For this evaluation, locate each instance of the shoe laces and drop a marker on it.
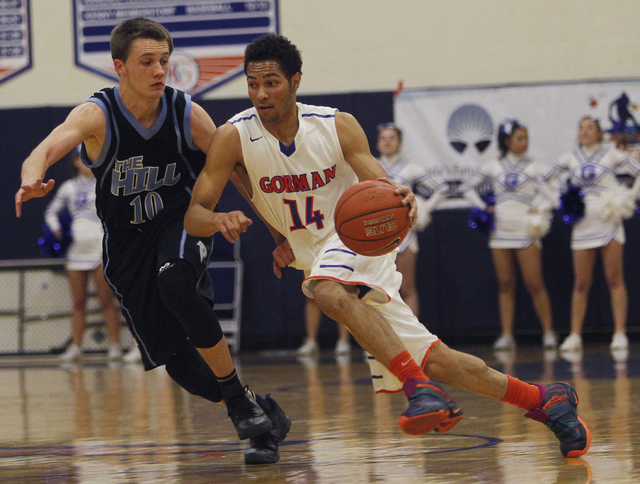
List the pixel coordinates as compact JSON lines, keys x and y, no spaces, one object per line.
{"x":414,"y":388}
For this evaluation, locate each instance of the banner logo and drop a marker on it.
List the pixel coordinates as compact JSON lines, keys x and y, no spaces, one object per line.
{"x":470,"y":125}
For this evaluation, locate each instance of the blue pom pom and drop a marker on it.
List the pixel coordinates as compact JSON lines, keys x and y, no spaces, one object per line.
{"x":481,"y":220}
{"x":572,"y":204}
{"x":489,"y":198}
{"x":53,"y":247}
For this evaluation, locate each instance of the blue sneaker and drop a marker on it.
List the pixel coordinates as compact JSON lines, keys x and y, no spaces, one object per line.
{"x":430,"y":408}
{"x":559,"y":411}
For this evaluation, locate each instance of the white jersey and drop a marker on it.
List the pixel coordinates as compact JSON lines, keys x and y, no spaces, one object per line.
{"x":78,"y":196}
{"x":296,"y":188}
{"x":595,"y":172}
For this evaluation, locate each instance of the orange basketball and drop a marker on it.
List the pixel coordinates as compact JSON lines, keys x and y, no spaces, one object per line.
{"x":371,"y":219}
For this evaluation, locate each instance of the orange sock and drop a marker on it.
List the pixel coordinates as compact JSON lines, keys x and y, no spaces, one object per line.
{"x":404,"y":366}
{"x":521,"y":394}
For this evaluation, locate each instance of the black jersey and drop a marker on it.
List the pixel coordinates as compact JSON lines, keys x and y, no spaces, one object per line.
{"x":141,"y":172}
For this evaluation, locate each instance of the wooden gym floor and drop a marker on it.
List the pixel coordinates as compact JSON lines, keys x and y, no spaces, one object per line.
{"x":111,"y":423}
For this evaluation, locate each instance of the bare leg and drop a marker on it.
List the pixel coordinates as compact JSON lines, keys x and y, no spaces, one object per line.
{"x":614,"y":274}
{"x":505,"y":265}
{"x":313,"y":317}
{"x":109,"y":311}
{"x":530,"y":260}
{"x":371,"y":330}
{"x":343,"y":333}
{"x":78,"y":285}
{"x":583,"y":262}
{"x":406,"y":264}
{"x":466,"y":372}
{"x":218,"y":358}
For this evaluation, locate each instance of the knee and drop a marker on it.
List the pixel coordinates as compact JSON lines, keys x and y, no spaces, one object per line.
{"x":507,"y":284}
{"x":614,"y":280}
{"x":535,"y":288}
{"x":176,"y":277}
{"x":333,"y":298}
{"x":80,"y":303}
{"x":582,"y":286}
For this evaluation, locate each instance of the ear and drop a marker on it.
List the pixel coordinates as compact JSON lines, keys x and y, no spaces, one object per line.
{"x":295,"y":81}
{"x":119,"y":67}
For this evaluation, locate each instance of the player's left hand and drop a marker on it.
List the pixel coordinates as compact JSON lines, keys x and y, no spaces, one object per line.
{"x":282,"y":256}
{"x":409,"y":198}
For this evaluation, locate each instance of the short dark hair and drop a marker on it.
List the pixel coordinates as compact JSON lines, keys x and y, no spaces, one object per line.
{"x":274,"y":48}
{"x":123,"y":35}
{"x":505,"y":131}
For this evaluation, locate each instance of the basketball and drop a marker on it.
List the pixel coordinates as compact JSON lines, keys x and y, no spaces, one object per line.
{"x":371,"y":219}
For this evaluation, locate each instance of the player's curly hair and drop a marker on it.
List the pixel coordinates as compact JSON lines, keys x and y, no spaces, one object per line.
{"x":123,"y":35}
{"x":505,"y":131}
{"x":272,"y":47}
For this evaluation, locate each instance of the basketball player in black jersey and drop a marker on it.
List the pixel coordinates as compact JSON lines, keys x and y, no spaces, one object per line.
{"x":146,"y":145}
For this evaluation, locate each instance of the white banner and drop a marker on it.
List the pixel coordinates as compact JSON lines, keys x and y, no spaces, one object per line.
{"x":209,"y":36}
{"x":15,"y":38}
{"x":453,"y":131}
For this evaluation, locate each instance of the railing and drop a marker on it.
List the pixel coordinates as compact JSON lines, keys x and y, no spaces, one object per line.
{"x":35,"y":309}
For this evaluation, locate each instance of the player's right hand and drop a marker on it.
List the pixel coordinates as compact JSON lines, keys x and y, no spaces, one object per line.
{"x":31,"y":190}
{"x":232,"y":224}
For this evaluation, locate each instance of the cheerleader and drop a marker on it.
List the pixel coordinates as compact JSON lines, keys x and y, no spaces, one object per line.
{"x":429,"y":190}
{"x":593,"y":166}
{"x":522,"y":212}
{"x":84,"y":257}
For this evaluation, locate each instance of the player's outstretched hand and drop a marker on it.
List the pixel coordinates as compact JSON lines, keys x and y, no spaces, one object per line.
{"x":31,"y":190}
{"x":282,"y":256}
{"x":232,"y":224}
{"x":409,"y":198}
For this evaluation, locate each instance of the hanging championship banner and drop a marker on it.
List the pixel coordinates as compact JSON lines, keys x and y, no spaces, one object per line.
{"x":209,"y":36}
{"x":15,"y":38}
{"x":453,"y":131}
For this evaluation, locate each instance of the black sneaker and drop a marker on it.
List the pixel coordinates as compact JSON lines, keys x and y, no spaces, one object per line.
{"x":246,"y":415}
{"x":264,"y":447}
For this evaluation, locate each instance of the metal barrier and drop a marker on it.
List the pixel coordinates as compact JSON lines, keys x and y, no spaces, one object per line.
{"x":35,"y":310}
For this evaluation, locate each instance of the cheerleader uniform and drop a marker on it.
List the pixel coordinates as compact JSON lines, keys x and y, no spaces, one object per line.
{"x":78,"y":196}
{"x":518,"y":186}
{"x":594,"y":171}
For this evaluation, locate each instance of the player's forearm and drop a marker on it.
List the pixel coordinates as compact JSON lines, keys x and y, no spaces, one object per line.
{"x":200,"y":221}
{"x":34,"y":167}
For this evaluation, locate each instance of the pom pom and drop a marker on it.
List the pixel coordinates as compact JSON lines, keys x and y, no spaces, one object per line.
{"x":572,"y":204}
{"x":481,"y":220}
{"x":537,"y":224}
{"x":614,"y":204}
{"x":50,"y":245}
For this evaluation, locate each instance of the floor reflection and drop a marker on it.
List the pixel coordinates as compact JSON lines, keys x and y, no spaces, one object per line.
{"x":103,"y":423}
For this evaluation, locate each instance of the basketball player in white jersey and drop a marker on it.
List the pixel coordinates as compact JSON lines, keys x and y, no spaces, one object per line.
{"x":294,"y":161}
